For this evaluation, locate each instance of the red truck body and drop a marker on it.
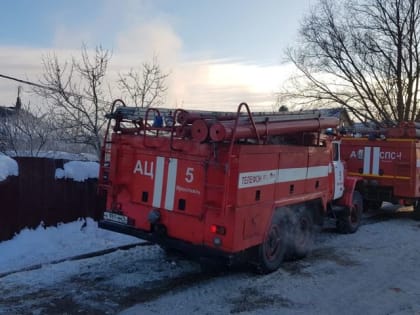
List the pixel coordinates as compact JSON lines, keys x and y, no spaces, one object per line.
{"x":388,"y":161}
{"x":220,"y":196}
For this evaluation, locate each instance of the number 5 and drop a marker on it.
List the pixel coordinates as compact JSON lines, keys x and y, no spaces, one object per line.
{"x":189,"y":175}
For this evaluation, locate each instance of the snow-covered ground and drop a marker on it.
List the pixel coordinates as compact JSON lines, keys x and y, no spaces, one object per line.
{"x":375,"y":271}
{"x":43,"y":244}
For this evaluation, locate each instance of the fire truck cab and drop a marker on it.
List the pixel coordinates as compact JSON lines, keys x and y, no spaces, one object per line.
{"x":247,"y":186}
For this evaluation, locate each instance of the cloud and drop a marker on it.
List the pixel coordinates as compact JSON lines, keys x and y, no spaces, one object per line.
{"x":152,"y":38}
{"x":194,"y":82}
{"x":199,"y":83}
{"x":221,"y":84}
{"x":21,"y":62}
{"x":216,"y":84}
{"x":71,"y":38}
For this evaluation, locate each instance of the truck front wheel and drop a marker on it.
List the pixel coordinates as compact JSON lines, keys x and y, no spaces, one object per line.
{"x":350,"y":222}
{"x":271,"y":252}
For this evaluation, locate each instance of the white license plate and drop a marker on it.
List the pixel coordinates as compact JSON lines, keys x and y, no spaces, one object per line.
{"x":115,"y":217}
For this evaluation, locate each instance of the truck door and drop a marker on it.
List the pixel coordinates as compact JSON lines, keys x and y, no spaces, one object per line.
{"x":338,"y":170}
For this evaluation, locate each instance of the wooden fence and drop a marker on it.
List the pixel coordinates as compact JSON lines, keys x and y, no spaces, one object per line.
{"x":35,"y":196}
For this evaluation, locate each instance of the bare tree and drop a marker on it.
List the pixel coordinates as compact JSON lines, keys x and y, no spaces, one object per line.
{"x":25,"y":130}
{"x":361,"y":54}
{"x":145,"y":86}
{"x":74,"y":91}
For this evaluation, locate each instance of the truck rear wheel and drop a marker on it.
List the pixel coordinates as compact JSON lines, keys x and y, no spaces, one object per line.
{"x":349,"y":223}
{"x":271,"y":252}
{"x":416,"y":211}
{"x":304,"y":234}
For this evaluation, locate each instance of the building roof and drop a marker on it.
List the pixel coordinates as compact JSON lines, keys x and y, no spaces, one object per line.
{"x":7,"y":111}
{"x":332,"y":112}
{"x":338,"y":112}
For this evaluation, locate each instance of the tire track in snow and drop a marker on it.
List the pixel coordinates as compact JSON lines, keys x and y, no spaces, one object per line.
{"x":76,"y":257}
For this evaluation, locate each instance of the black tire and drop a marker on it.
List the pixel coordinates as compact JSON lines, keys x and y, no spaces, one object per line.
{"x":371,"y":205}
{"x":350,"y":222}
{"x":416,"y":211}
{"x":304,"y":234}
{"x":271,"y":252}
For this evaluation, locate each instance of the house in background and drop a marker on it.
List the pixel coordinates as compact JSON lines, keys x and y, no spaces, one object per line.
{"x":340,"y":113}
{"x":8,"y":114}
{"x":7,"y":111}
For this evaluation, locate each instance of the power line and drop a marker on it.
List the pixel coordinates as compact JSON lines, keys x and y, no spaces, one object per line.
{"x":27,"y":82}
{"x":51,"y":88}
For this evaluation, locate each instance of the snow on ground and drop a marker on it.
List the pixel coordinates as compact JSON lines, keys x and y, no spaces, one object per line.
{"x":45,"y":244}
{"x":103,"y":284}
{"x":8,"y":167}
{"x":374,"y":271}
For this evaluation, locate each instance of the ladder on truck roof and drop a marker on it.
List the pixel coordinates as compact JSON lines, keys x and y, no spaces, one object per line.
{"x":133,"y":114}
{"x":214,"y":126}
{"x":407,"y":130}
{"x":190,"y":119}
{"x":105,"y":158}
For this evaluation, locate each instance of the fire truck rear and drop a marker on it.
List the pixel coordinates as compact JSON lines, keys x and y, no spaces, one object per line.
{"x":247,"y":186}
{"x":388,"y":160}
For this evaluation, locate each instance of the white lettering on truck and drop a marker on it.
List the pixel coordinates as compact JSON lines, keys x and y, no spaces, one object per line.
{"x":144,"y":168}
{"x":391,"y":155}
{"x":383,"y":155}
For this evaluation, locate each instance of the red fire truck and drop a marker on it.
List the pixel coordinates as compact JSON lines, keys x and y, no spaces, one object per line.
{"x":388,"y":160}
{"x":248,"y":186}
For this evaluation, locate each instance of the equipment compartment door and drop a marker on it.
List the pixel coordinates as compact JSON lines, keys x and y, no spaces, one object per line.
{"x":184,"y":189}
{"x":168,"y":183}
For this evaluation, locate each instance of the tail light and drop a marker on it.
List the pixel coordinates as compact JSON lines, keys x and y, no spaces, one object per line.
{"x":217,"y":229}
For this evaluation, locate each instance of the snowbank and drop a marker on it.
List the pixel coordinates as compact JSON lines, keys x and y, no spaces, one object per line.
{"x":41,"y":245}
{"x":57,"y":155}
{"x":78,"y":171}
{"x":8,"y":167}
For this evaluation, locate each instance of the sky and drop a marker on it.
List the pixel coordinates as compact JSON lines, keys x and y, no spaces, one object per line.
{"x":218,"y":53}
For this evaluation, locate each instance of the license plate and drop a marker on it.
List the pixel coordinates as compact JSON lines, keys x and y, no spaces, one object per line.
{"x":115,"y":217}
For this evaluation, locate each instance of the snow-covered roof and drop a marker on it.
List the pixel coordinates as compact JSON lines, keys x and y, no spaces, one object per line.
{"x":57,"y":155}
{"x":7,"y":111}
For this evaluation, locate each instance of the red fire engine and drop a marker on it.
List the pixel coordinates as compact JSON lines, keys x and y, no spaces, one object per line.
{"x":388,"y":160}
{"x":225,"y":185}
